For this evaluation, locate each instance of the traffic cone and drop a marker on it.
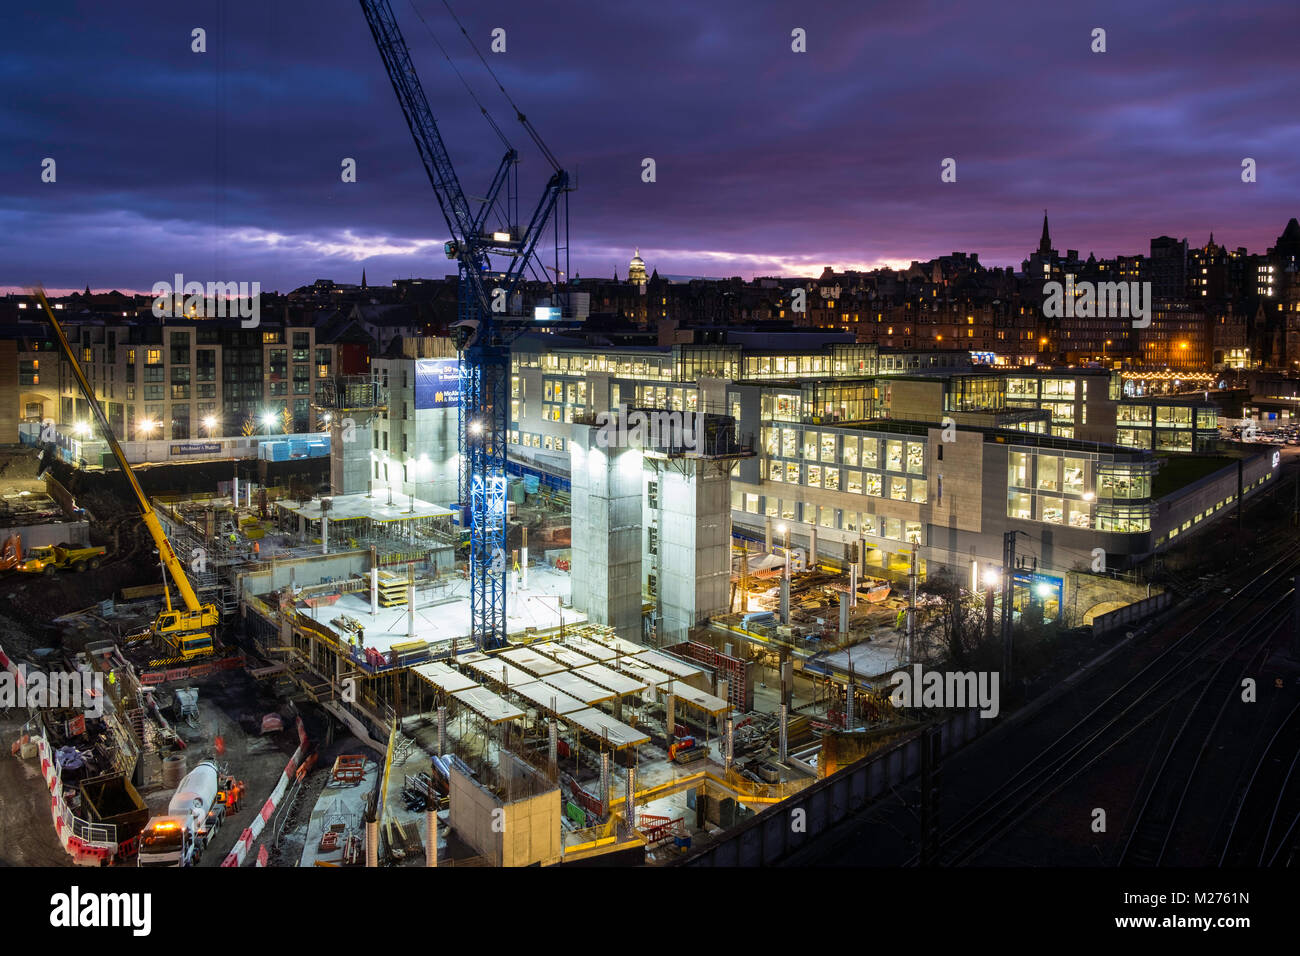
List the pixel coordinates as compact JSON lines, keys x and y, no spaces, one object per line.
{"x":220,"y":745}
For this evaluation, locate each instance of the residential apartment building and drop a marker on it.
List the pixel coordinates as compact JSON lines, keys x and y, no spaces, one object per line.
{"x":187,"y":379}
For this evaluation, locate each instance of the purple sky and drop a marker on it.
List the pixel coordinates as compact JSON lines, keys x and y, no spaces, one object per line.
{"x":225,"y":165}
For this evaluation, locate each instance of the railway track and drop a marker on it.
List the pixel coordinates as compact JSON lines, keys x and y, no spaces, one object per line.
{"x":1149,"y":836}
{"x":1265,"y":829}
{"x":1190,"y":662}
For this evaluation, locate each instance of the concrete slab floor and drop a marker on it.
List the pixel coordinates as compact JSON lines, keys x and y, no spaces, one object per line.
{"x":442,"y":611}
{"x":869,"y":658}
{"x":338,"y":804}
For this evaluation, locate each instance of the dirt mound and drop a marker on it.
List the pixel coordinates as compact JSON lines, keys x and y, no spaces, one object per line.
{"x":19,"y":464}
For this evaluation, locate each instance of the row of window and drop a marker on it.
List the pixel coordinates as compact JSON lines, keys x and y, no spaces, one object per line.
{"x":1198,"y":518}
{"x":637,"y":367}
{"x":850,"y":480}
{"x":1170,"y":416}
{"x":832,"y":448}
{"x":1045,"y":388}
{"x":826,"y":516}
{"x":534,"y":440}
{"x":1165,"y":439}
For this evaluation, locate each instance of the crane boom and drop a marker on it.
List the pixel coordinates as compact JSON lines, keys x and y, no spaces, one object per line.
{"x":165,"y":551}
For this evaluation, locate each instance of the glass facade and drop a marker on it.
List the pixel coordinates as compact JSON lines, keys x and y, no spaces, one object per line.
{"x":1079,"y":489}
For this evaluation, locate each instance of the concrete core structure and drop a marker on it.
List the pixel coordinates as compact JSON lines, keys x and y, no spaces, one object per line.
{"x":607,"y":490}
{"x":693,"y":525}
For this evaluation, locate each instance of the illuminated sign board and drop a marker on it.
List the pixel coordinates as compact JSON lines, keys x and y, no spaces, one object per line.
{"x":197,"y":448}
{"x":546,"y":313}
{"x":437,"y":383}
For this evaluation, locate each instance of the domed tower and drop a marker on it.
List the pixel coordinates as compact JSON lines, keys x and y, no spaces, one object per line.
{"x":636,"y":269}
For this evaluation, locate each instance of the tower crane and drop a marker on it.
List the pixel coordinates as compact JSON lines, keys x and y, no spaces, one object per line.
{"x":186,"y":629}
{"x":484,"y":329}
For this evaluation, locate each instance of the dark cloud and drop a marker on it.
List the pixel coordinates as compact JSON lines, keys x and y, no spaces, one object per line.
{"x":225,"y":165}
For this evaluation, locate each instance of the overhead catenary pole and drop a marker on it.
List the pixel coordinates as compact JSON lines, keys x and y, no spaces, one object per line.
{"x":1008,"y":592}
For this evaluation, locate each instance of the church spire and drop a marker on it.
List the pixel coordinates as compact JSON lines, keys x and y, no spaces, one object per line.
{"x":1045,"y":243}
{"x":363,"y":278}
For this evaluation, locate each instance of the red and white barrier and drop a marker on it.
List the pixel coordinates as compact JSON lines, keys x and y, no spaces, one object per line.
{"x":252,"y":832}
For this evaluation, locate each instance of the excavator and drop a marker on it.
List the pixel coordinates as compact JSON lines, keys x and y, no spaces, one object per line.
{"x":186,"y":629}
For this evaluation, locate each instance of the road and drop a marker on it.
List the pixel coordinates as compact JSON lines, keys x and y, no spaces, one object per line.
{"x":26,"y":827}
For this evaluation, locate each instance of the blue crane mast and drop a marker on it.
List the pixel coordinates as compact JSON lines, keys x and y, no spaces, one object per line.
{"x":484,"y":328}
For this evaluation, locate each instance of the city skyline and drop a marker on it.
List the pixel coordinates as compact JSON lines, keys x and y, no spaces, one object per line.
{"x":260,"y":121}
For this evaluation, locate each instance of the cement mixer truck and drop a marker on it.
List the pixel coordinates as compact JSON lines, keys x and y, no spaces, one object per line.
{"x":193,"y":817}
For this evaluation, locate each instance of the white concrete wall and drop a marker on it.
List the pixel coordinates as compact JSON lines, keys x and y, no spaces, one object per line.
{"x":524,"y":832}
{"x":607,"y":535}
{"x":694,"y":543}
{"x":350,"y":467}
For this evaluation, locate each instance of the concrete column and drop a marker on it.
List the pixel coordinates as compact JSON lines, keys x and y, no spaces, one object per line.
{"x":234,"y":497}
{"x":302,"y":528}
{"x":671,"y":716}
{"x":723,"y":686}
{"x":442,"y":731}
{"x":853,"y":585}
{"x":523,"y":560}
{"x":618,"y":708}
{"x":785,"y":600}
{"x":782,"y":740}
{"x":431,"y":846}
{"x":844,"y":615}
{"x":629,"y":804}
{"x":553,"y":746}
{"x":604,"y":780}
{"x":728,"y":743}
{"x":324,"y":534}
{"x":811,"y":561}
{"x":767,"y":535}
{"x":372,"y":843}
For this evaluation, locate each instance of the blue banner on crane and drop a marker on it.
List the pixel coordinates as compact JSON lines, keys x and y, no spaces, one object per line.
{"x":437,"y":383}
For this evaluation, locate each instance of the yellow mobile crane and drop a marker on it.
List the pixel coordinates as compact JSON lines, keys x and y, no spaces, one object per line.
{"x":187,"y":630}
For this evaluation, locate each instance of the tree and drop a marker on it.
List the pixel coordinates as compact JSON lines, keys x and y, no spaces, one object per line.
{"x":248,"y":427}
{"x":286,"y":420}
{"x":954,"y":625}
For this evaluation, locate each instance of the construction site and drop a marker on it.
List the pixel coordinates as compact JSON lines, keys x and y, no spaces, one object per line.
{"x":545,"y":669}
{"x":345,"y":620}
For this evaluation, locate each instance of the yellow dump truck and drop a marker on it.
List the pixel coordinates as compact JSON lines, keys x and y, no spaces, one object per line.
{"x":52,"y":557}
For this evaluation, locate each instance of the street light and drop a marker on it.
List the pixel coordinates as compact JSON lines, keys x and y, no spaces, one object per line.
{"x":268,"y":420}
{"x":146,"y":425}
{"x":991,"y":580}
{"x":209,"y":422}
